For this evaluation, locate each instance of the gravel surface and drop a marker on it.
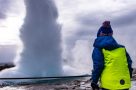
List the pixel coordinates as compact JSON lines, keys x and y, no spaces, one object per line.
{"x":72,"y":84}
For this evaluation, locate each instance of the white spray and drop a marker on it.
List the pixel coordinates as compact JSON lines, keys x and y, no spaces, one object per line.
{"x":41,"y":38}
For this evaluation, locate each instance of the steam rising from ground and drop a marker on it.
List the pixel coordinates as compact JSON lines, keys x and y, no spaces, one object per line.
{"x":41,"y":38}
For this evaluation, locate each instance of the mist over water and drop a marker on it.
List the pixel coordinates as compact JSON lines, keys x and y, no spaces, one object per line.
{"x":41,"y":39}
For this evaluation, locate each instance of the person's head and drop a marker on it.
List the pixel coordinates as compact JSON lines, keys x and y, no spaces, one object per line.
{"x":106,"y":24}
{"x":105,"y":29}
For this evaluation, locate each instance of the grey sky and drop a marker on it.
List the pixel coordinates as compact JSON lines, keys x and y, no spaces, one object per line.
{"x":82,"y":18}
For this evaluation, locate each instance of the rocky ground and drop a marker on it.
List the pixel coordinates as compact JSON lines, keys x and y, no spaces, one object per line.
{"x":80,"y":84}
{"x":60,"y":84}
{"x":73,"y":84}
{"x":134,"y":74}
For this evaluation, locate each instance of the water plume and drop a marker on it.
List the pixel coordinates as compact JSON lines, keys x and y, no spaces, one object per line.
{"x":41,"y":38}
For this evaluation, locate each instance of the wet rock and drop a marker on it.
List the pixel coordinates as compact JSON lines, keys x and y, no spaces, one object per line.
{"x":61,"y":87}
{"x":134,"y":70}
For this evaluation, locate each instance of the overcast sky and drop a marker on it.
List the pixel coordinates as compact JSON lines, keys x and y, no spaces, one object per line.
{"x":80,"y":20}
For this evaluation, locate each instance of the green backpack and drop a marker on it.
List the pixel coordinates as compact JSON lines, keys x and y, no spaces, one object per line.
{"x":116,"y":73}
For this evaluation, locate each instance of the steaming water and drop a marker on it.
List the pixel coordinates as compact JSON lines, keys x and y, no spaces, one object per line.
{"x":41,"y":38}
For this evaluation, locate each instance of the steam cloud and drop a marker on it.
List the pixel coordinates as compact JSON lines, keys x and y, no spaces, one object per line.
{"x":41,"y":38}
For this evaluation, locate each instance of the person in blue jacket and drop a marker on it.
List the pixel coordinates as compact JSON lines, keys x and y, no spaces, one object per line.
{"x":104,"y":40}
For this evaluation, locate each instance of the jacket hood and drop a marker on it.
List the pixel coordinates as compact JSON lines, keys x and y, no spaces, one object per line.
{"x":106,"y":42}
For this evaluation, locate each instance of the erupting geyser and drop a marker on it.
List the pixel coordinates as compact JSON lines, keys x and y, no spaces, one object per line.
{"x":41,"y":38}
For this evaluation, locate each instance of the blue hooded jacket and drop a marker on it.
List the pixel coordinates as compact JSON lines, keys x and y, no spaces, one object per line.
{"x":108,"y":43}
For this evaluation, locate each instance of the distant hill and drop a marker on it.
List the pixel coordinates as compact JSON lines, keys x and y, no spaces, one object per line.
{"x":6,"y":65}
